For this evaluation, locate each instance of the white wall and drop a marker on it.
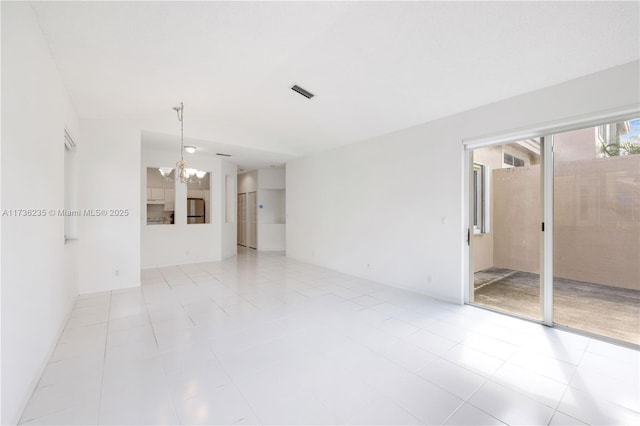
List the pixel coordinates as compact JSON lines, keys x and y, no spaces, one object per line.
{"x":271,"y":209}
{"x":109,"y":178}
{"x":273,"y":206}
{"x":270,"y":232}
{"x":182,"y":243}
{"x":1,"y":207}
{"x":229,"y":227}
{"x":248,"y":182}
{"x":272,"y":178}
{"x":391,"y":208}
{"x":39,"y":279}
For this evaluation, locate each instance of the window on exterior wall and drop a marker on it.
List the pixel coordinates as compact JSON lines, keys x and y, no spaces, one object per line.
{"x":603,"y":133}
{"x":70,"y":189}
{"x":512,"y":160}
{"x":480,"y":198}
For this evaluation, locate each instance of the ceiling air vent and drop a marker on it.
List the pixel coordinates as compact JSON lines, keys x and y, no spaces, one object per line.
{"x":303,"y":92}
{"x":223,"y":155}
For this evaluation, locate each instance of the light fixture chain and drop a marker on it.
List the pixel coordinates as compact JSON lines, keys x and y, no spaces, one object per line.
{"x":181,"y":118}
{"x":183,"y":174}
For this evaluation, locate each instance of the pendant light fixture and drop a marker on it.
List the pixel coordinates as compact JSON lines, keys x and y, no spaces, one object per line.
{"x":184,"y":174}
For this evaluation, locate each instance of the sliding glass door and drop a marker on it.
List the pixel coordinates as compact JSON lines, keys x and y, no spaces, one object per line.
{"x":506,"y":217}
{"x":596,"y":283}
{"x":555,"y":229}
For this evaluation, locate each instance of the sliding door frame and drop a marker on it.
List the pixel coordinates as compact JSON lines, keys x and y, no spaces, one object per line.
{"x":545,"y":132}
{"x":546,"y":248}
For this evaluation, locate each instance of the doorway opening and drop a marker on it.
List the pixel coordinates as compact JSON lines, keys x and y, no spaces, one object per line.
{"x":506,"y":227}
{"x":247,"y":219}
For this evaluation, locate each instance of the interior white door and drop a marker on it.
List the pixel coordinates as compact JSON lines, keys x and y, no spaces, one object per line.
{"x":242,"y":219}
{"x":252,"y":220}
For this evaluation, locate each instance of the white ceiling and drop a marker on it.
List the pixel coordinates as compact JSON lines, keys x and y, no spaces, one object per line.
{"x":374,"y":67}
{"x":247,"y":159}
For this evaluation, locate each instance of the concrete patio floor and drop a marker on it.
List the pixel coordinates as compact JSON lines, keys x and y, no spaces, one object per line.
{"x":604,"y":310}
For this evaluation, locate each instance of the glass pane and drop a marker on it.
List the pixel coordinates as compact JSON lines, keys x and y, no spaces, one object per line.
{"x":475,"y":199}
{"x":198,"y":198}
{"x":506,"y":255}
{"x":597,"y":230}
{"x":160,"y":195}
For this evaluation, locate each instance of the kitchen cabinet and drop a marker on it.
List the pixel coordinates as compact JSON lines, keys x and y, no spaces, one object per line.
{"x":160,"y":198}
{"x":194,"y":193}
{"x":169,"y":200}
{"x":155,"y":195}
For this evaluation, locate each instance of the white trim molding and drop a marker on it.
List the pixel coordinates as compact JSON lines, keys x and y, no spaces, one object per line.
{"x":554,"y":127}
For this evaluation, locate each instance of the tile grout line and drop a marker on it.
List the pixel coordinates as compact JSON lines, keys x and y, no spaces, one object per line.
{"x":64,"y":327}
{"x":208,"y":296}
{"x":556,"y":410}
{"x":235,"y":385}
{"x":104,"y":358}
{"x":269,"y":275}
{"x":146,"y":308}
{"x":487,"y":379}
{"x":414,"y":373}
{"x":568,"y":386}
{"x":155,"y":338}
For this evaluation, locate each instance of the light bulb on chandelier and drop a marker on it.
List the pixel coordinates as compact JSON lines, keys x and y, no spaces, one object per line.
{"x":184,"y":174}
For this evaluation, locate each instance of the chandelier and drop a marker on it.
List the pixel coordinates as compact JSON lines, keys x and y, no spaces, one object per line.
{"x":184,"y":174}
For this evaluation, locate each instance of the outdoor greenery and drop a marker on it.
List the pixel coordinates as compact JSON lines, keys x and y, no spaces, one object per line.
{"x":616,"y":148}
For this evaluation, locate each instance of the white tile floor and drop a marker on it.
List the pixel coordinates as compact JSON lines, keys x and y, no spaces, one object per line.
{"x":262,"y":339}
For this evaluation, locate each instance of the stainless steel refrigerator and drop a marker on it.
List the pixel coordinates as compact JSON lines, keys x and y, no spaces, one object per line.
{"x":195,"y":210}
